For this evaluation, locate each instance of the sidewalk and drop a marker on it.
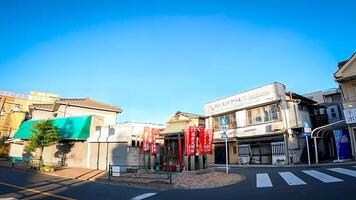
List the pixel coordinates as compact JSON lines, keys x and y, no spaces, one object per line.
{"x":186,"y":180}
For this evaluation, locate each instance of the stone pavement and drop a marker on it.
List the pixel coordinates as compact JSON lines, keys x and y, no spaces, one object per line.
{"x":206,"y":180}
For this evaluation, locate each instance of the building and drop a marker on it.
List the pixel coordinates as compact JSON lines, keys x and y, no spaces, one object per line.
{"x":68,"y":107}
{"x":330,"y":101}
{"x":14,"y":108}
{"x":75,"y":117}
{"x":346,"y":77}
{"x":173,"y":137}
{"x":119,"y":144}
{"x":265,"y":126}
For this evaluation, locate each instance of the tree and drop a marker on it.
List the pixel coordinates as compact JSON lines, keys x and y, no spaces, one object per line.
{"x":44,"y":134}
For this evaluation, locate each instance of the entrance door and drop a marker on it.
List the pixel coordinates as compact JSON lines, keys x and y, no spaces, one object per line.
{"x":220,"y":157}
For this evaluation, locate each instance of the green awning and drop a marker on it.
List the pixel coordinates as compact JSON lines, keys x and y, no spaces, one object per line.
{"x":76,"y":128}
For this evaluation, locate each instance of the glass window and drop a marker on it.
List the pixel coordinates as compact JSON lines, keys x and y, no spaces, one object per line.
{"x":333,"y":112}
{"x":231,"y":118}
{"x":262,"y":114}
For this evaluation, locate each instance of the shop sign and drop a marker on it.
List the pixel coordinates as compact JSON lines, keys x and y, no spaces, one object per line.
{"x":350,"y":116}
{"x":254,"y":97}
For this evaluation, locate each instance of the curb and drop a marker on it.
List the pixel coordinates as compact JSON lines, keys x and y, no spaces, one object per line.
{"x":222,"y":166}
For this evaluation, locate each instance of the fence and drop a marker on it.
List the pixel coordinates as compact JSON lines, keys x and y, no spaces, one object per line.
{"x":130,"y":172}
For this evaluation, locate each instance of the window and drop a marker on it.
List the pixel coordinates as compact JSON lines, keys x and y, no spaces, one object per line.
{"x":333,"y":112}
{"x":98,"y":131}
{"x":262,"y":114}
{"x":234,"y":149}
{"x":231,"y":118}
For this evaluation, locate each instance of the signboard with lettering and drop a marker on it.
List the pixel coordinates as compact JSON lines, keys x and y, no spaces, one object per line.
{"x":350,"y":116}
{"x":154,"y":133}
{"x":265,"y":94}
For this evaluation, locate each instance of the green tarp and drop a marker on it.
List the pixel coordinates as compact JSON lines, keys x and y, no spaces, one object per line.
{"x":76,"y":128}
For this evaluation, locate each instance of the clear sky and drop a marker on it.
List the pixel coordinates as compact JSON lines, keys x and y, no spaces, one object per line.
{"x":153,"y":58}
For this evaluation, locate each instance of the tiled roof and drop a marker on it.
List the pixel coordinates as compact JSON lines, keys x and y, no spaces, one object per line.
{"x":89,"y":103}
{"x":49,"y":106}
{"x":80,"y":102}
{"x":191,"y":115}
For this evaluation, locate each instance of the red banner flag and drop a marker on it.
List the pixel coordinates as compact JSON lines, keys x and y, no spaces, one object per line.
{"x":209,"y":137}
{"x":154,"y":132}
{"x":202,"y":141}
{"x":145,"y":142}
{"x":186,"y":143}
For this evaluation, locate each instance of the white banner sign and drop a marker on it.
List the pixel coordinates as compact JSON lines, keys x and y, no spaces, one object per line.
{"x":350,"y":116}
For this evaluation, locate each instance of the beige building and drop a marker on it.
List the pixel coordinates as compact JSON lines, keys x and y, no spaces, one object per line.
{"x":175,"y":132}
{"x":346,"y":77}
{"x":265,"y":126}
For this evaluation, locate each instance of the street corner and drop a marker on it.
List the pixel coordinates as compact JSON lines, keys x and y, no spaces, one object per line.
{"x":211,"y":179}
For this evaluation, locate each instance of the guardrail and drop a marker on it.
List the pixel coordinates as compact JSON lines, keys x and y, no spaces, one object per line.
{"x":138,"y":172}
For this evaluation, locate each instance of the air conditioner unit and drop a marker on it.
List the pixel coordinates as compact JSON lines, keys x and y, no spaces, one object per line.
{"x":273,"y":127}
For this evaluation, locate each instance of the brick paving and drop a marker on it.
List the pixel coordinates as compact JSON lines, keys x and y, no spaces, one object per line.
{"x":206,"y":180}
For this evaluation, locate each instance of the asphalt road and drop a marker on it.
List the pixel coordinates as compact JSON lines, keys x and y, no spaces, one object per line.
{"x":274,"y":183}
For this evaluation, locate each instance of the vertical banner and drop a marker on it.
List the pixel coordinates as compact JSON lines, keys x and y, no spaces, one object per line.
{"x":146,"y":135}
{"x":192,"y":140}
{"x":186,"y":141}
{"x":202,"y":141}
{"x":209,"y":136}
{"x":154,"y":133}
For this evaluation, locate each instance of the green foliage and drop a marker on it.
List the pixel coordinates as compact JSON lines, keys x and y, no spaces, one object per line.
{"x":44,"y":134}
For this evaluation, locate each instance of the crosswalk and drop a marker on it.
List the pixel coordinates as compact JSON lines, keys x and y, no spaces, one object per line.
{"x":263,"y":180}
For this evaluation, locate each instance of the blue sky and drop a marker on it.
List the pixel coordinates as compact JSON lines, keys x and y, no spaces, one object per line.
{"x":153,"y":58}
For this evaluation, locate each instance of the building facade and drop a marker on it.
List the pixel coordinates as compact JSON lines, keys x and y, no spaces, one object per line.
{"x":346,"y":77}
{"x":265,"y":126}
{"x":331,"y":103}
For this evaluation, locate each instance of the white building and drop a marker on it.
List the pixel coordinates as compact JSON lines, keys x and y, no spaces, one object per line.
{"x":118,"y":144}
{"x":265,"y":125}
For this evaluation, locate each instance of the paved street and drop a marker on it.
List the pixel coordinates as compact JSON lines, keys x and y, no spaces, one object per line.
{"x":326,"y":182}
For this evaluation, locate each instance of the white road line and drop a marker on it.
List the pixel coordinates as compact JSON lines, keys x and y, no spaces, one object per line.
{"x":291,"y":179}
{"x":263,"y":180}
{"x":344,"y":171}
{"x":143,"y":196}
{"x":321,"y":176}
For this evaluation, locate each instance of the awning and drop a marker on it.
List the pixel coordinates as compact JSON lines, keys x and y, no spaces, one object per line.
{"x":323,"y":130}
{"x":71,"y":128}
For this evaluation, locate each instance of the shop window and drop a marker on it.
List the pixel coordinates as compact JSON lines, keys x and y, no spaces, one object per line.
{"x":262,"y":114}
{"x":231,"y":117}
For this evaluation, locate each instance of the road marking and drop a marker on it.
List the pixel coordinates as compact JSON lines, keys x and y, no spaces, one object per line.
{"x":263,"y":180}
{"x":322,"y":177}
{"x":344,"y":171}
{"x":9,"y":198}
{"x":143,"y":196}
{"x":291,"y":179}
{"x":36,"y":191}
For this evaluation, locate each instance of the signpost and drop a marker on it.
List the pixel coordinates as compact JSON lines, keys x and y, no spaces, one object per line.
{"x":307,"y":133}
{"x":224,"y":123}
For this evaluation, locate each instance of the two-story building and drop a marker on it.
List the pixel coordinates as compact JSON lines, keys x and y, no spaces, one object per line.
{"x":346,"y":77}
{"x":265,"y":126}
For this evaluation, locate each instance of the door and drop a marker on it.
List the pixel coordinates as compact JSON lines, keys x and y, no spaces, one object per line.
{"x":220,"y":157}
